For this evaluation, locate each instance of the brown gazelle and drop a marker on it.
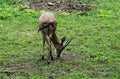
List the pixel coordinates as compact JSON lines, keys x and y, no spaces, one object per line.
{"x":48,"y":26}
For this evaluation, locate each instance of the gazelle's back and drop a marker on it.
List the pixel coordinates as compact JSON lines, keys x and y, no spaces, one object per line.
{"x":47,"y":20}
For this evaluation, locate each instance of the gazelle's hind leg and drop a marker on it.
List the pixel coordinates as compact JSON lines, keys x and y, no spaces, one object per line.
{"x":50,"y":52}
{"x":50,"y":57}
{"x":44,"y":38}
{"x":50,"y":37}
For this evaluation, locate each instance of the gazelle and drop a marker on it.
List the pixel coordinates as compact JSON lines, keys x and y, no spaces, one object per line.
{"x":48,"y":26}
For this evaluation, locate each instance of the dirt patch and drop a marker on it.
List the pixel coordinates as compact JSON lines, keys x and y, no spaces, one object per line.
{"x":66,"y":6}
{"x":71,"y":57}
{"x":16,"y":68}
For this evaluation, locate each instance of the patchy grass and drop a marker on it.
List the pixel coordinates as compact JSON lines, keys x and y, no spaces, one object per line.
{"x":94,"y":52}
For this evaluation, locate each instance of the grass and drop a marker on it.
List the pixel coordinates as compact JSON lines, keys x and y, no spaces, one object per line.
{"x":94,"y":53}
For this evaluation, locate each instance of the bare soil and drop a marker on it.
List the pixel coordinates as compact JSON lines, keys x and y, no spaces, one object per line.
{"x":66,"y":6}
{"x":16,"y":68}
{"x":10,"y":69}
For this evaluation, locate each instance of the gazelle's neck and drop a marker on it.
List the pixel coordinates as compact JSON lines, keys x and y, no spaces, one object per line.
{"x":55,"y":41}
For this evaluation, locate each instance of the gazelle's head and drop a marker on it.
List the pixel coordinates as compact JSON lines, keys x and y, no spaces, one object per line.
{"x":62,"y":46}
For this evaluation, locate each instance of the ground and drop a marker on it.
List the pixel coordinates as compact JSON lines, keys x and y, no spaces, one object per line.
{"x":66,"y":6}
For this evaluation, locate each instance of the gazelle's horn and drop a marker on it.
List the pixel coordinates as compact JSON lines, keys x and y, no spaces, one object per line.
{"x":67,"y":42}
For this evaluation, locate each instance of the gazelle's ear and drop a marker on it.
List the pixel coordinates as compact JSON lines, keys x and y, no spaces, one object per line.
{"x":62,"y":40}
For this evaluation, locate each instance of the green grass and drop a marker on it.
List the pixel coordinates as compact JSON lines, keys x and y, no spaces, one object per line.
{"x":94,"y":52}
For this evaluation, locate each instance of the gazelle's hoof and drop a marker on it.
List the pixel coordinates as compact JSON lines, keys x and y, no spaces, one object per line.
{"x":43,"y":57}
